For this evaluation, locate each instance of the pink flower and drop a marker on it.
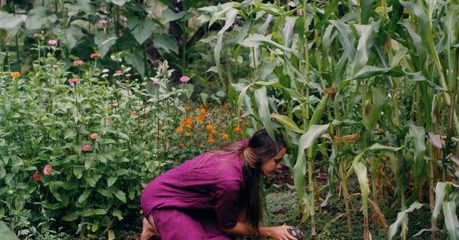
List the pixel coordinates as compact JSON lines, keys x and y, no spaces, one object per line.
{"x":127,"y":75}
{"x":118,"y":73}
{"x":162,"y":68}
{"x":95,"y":55}
{"x":86,"y":148}
{"x":52,"y":42}
{"x":74,"y":81}
{"x":47,"y":170}
{"x":36,"y":177}
{"x":94,"y":136}
{"x":103,"y":21}
{"x":78,"y":62}
{"x":184,"y":79}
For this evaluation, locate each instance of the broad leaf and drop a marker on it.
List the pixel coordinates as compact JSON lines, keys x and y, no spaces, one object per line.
{"x":104,"y":42}
{"x":165,"y":42}
{"x":287,"y":122}
{"x":400,"y":217}
{"x":451,"y":221}
{"x":38,"y":17}
{"x":137,"y":61}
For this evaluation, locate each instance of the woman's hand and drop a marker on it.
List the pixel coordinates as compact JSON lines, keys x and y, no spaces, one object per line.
{"x":277,"y":233}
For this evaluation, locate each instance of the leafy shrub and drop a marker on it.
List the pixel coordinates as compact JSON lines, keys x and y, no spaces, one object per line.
{"x":78,"y":150}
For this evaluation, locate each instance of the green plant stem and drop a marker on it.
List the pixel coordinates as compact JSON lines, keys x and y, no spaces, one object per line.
{"x":346,"y":195}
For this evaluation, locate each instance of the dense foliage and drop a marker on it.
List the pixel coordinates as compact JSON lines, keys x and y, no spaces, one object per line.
{"x":364,"y":91}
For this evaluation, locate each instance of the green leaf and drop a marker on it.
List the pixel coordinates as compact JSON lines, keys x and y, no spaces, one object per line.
{"x":346,"y":38}
{"x":261,"y":98}
{"x":289,"y":25}
{"x":168,"y":16}
{"x":256,"y":40}
{"x":9,"y":21}
{"x":307,"y":140}
{"x":361,"y":171}
{"x":121,"y":196}
{"x":84,"y":196}
{"x":71,"y":216}
{"x":230,"y":18}
{"x":366,"y":10}
{"x":440,"y":193}
{"x":165,"y":42}
{"x":451,"y":221}
{"x":6,"y":233}
{"x":137,"y":61}
{"x":372,"y":71}
{"x":418,"y":135}
{"x":111,"y":181}
{"x":38,"y":17}
{"x":143,"y":30}
{"x":71,"y":36}
{"x":117,"y":213}
{"x":119,"y":2}
{"x":366,"y":41}
{"x":104,"y":42}
{"x":400,"y":217}
{"x":287,"y":122}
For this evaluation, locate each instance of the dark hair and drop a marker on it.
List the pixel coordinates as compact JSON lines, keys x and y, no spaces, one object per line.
{"x":261,"y":148}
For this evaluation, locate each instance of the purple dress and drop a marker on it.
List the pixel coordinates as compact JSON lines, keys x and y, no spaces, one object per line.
{"x":198,"y":198}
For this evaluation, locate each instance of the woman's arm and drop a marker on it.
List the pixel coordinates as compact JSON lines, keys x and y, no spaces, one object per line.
{"x":277,"y":232}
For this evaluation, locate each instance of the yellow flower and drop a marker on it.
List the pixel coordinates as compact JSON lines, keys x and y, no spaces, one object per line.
{"x":213,"y":132}
{"x":179,"y":130}
{"x":225,"y":136}
{"x":209,"y":127}
{"x":16,"y":74}
{"x":187,"y":133}
{"x":210,"y":139}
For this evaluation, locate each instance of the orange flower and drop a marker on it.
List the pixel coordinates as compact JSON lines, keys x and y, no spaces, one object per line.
{"x":187,"y":122}
{"x":201,"y":117}
{"x":210,"y":139}
{"x":213,"y":132}
{"x":225,"y":136}
{"x":179,"y":130}
{"x":209,"y":127}
{"x":237,"y":129}
{"x":15,"y":74}
{"x":202,"y":110}
{"x":187,"y":133}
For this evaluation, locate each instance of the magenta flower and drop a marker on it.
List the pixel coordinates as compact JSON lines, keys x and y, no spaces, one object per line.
{"x":103,"y":21}
{"x":74,"y":81}
{"x":52,"y":42}
{"x":47,"y":170}
{"x":94,"y":136}
{"x":184,"y":79}
{"x":127,"y":75}
{"x":86,"y":148}
{"x":78,"y":62}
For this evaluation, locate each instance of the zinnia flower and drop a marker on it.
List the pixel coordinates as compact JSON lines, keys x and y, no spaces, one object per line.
{"x":52,"y":42}
{"x":78,"y":62}
{"x":94,"y":136}
{"x":47,"y":170}
{"x":209,"y":127}
{"x":210,"y":139}
{"x":38,"y":35}
{"x":179,"y":130}
{"x":184,"y":79}
{"x":127,"y":75}
{"x":225,"y":136}
{"x":95,"y":55}
{"x":36,"y":177}
{"x":74,"y":81}
{"x":103,"y":21}
{"x":86,"y":148}
{"x":15,"y":74}
{"x":162,"y":68}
